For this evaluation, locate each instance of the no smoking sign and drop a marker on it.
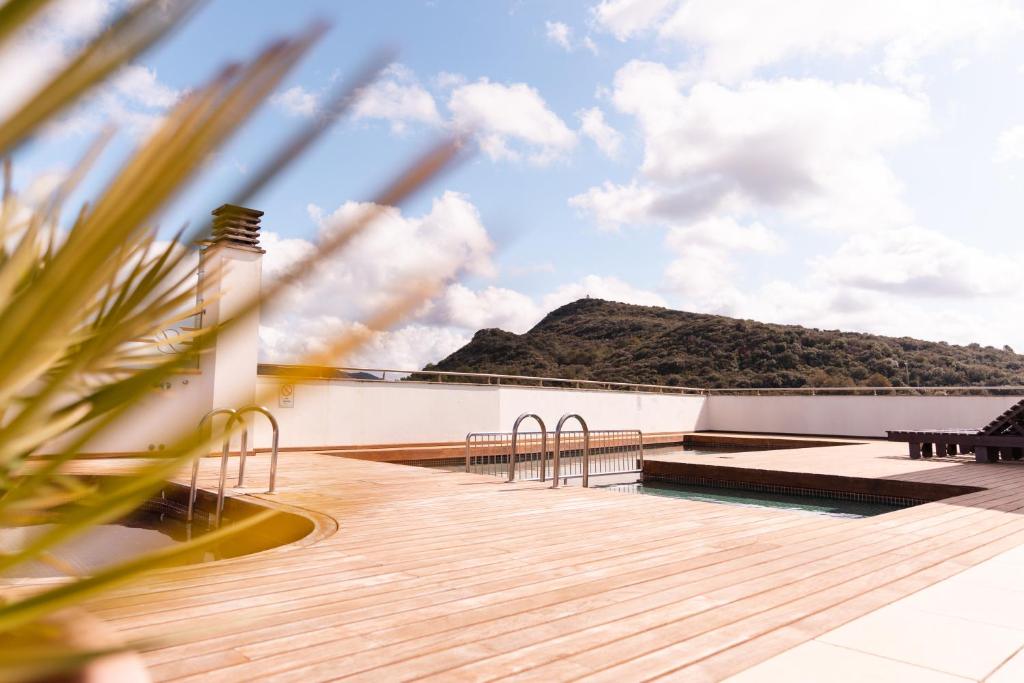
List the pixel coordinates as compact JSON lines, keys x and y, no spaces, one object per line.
{"x":286,"y":396}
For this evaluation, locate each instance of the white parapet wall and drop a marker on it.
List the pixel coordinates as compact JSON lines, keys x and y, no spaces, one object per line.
{"x":868,"y":416}
{"x":324,"y":413}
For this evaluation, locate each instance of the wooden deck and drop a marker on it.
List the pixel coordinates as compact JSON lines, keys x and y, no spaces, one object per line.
{"x":450,"y":576}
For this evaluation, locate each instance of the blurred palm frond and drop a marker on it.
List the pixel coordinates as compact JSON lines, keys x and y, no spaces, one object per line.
{"x":83,"y":302}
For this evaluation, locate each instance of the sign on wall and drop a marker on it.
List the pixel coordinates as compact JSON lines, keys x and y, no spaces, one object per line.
{"x":286,"y":396}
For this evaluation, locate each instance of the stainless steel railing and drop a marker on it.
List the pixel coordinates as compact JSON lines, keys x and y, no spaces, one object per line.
{"x":275,"y":439}
{"x":556,"y":461}
{"x":221,"y":481}
{"x":300,"y":373}
{"x":542,"y":469}
{"x":233,"y":416}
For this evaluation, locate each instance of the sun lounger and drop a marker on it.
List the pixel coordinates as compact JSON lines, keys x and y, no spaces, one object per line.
{"x":1003,"y":436}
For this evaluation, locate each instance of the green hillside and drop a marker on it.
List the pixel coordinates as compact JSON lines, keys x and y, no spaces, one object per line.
{"x":609,"y":341}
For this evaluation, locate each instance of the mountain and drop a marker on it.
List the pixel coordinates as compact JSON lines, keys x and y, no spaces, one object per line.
{"x":616,"y":342}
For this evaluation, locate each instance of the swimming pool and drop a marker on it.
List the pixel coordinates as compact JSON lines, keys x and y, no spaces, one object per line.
{"x":630,"y":483}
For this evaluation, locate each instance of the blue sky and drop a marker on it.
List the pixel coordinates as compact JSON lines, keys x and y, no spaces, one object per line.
{"x":838,"y":165}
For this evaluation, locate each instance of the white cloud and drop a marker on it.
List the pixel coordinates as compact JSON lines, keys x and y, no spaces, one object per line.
{"x":593,"y":125}
{"x":627,"y":18}
{"x":559,"y":34}
{"x":735,"y":38}
{"x":297,"y":101}
{"x":378,"y":266}
{"x":724,"y":233}
{"x":814,"y":150}
{"x":903,"y":282}
{"x":1010,"y":145}
{"x":398,"y":98}
{"x":703,"y":273}
{"x":613,"y":206}
{"x":490,"y":307}
{"x":599,"y":287}
{"x":524,"y":269}
{"x":703,"y":279}
{"x":48,"y":43}
{"x":396,"y":250}
{"x":446,"y":80}
{"x":916,"y":262}
{"x":133,"y":99}
{"x":510,"y":121}
{"x":140,"y":84}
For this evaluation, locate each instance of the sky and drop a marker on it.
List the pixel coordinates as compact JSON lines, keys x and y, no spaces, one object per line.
{"x":853,"y":166}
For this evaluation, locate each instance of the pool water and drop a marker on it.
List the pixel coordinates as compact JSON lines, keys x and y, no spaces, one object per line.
{"x":159,"y":523}
{"x":630,"y":483}
{"x":829,"y":507}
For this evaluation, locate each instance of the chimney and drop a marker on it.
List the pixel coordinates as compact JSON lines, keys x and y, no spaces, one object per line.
{"x":233,"y":259}
{"x":237,"y":226}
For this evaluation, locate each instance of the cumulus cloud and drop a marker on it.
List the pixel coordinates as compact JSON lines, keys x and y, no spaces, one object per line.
{"x":917,"y":262}
{"x":50,"y":41}
{"x":297,"y":101}
{"x":593,"y":125}
{"x":814,"y":150}
{"x":601,"y":287}
{"x":510,"y":121}
{"x":1010,"y":145}
{"x":735,"y":38}
{"x":142,"y":85}
{"x":489,"y":307}
{"x":723,"y":232}
{"x":398,"y":249}
{"x":399,"y":99}
{"x":628,"y":18}
{"x":612,"y":205}
{"x":702,"y":274}
{"x":376,"y":268}
{"x":134,"y":99}
{"x":559,"y":34}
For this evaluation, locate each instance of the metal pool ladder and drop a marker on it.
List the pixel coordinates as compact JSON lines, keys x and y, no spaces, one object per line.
{"x":579,"y":453}
{"x":515,"y":439}
{"x":234,"y":415}
{"x":556,"y":458}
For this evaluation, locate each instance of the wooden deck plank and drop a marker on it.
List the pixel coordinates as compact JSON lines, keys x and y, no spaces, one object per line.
{"x":464,"y":577}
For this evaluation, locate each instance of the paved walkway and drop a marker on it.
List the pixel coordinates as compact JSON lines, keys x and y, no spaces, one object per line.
{"x":967,"y":628}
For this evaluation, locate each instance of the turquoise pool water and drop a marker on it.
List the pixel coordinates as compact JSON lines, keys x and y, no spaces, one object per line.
{"x":629,"y":483}
{"x":812,"y":505}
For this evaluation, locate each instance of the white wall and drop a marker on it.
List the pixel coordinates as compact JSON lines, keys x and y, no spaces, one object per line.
{"x":603,"y":409}
{"x":333,"y":413}
{"x":851,"y":415}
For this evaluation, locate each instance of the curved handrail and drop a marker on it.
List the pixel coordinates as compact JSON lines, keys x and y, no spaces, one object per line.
{"x":193,"y":488}
{"x":543,"y":445}
{"x":555,"y":463}
{"x":276,"y":431}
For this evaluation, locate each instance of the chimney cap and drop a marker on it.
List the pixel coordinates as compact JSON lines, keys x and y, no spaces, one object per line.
{"x":237,"y":226}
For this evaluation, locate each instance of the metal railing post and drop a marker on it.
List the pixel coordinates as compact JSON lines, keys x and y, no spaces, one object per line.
{"x":515,"y":439}
{"x":640,"y":435}
{"x":194,"y":486}
{"x":556,"y":458}
{"x":274,"y":442}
